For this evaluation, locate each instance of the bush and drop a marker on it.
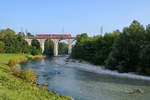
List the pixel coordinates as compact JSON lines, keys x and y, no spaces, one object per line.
{"x":45,"y":84}
{"x":14,"y":67}
{"x":16,"y":70}
{"x":2,"y":47}
{"x":35,"y":51}
{"x":11,"y":64}
{"x":29,"y":76}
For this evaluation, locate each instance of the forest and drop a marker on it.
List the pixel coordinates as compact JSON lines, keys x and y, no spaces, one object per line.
{"x":125,"y":51}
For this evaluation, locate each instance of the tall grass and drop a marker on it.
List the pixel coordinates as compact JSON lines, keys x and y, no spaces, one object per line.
{"x":27,"y":75}
{"x":11,"y":64}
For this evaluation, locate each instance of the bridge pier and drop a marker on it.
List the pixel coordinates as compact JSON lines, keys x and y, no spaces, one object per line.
{"x":70,"y":45}
{"x":55,"y":41}
{"x":42,"y":42}
{"x":29,"y":41}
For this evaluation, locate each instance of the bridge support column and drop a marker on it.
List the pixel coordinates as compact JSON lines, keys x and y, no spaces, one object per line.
{"x":70,"y":45}
{"x":55,"y":41}
{"x":29,"y":41}
{"x":42,"y":42}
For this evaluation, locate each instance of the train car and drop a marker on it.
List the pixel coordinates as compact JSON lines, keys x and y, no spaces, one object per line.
{"x":53,"y":35}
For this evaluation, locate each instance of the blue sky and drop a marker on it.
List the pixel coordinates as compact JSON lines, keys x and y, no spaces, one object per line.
{"x":76,"y":16}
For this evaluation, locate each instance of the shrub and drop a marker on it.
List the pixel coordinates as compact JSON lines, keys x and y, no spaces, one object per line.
{"x":11,"y":64}
{"x":16,"y":70}
{"x":29,"y":76}
{"x":2,"y":47}
{"x":45,"y":84}
{"x":35,"y":51}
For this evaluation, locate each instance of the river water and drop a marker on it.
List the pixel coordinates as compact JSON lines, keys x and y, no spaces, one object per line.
{"x":84,"y":81}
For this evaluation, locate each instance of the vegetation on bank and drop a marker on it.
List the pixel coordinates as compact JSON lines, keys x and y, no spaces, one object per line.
{"x":10,"y":42}
{"x":126,"y":51}
{"x":94,"y":49}
{"x":13,"y":87}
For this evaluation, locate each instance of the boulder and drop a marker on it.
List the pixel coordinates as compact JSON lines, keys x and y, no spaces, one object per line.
{"x":139,"y":90}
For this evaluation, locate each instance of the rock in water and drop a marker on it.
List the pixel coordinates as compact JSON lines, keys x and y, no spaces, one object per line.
{"x":67,"y":59}
{"x":129,"y":91}
{"x":139,"y":90}
{"x":73,"y":61}
{"x":80,"y":61}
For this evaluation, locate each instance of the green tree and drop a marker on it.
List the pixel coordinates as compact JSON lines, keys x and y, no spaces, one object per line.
{"x":29,"y":34}
{"x":62,"y":48}
{"x":11,"y":44}
{"x":23,"y":46}
{"x":21,"y":33}
{"x":14,"y":43}
{"x":94,"y":49}
{"x":125,"y":53}
{"x":76,"y":50}
{"x":104,"y":47}
{"x":35,"y":51}
{"x":144,"y":63}
{"x":2,"y":47}
{"x":49,"y":47}
{"x":36,"y":44}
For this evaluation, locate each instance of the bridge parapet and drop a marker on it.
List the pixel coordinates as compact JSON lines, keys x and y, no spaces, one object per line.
{"x":50,"y":37}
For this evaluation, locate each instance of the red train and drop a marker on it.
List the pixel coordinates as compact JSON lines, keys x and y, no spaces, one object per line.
{"x":45,"y":35}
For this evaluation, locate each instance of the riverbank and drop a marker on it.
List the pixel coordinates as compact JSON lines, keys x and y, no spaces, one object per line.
{"x":14,"y":88}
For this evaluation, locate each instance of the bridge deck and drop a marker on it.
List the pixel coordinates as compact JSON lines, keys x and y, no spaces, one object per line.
{"x":50,"y":37}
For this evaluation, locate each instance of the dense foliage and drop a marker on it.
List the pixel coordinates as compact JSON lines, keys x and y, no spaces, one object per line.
{"x":49,"y":47}
{"x":2,"y":47}
{"x":35,"y":47}
{"x":130,"y":52}
{"x":94,"y":49}
{"x":126,"y":51}
{"x":62,"y":48}
{"x":12,"y":43}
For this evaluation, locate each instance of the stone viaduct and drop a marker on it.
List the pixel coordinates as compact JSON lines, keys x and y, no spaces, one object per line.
{"x":55,"y":40}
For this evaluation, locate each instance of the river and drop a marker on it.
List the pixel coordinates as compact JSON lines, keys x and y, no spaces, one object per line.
{"x":84,"y":81}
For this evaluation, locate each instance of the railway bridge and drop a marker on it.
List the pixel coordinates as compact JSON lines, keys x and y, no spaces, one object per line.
{"x":55,"y":38}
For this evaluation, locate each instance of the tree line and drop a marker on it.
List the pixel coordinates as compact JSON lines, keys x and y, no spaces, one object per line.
{"x":126,"y":51}
{"x":10,"y":42}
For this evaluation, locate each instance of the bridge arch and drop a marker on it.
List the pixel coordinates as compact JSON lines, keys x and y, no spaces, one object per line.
{"x":55,"y":40}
